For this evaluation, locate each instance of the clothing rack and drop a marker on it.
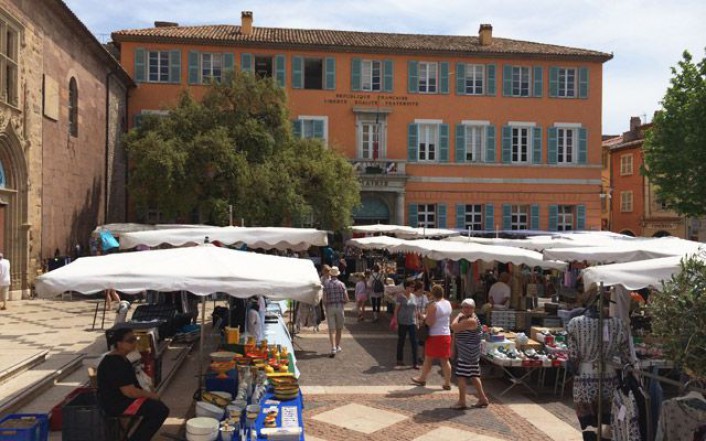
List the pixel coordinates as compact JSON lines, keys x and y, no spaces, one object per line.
{"x":660,"y":378}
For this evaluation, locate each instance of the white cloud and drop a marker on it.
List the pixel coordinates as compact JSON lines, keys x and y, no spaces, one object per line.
{"x":647,"y":37}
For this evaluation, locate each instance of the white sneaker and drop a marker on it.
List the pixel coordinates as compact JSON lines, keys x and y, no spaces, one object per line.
{"x":333,"y":353}
{"x":338,"y":349}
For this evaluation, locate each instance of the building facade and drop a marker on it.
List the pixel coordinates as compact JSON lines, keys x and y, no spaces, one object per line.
{"x":62,"y":106}
{"x":471,"y":132}
{"x":635,"y":208}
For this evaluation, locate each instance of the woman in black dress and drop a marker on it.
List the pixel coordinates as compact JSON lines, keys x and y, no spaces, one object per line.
{"x":466,"y":348}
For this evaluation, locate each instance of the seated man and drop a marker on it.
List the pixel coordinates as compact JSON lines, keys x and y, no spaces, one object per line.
{"x":499,"y":294}
{"x":119,"y":392}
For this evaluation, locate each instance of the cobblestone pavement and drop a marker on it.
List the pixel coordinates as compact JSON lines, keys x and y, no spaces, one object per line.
{"x":365,"y":373}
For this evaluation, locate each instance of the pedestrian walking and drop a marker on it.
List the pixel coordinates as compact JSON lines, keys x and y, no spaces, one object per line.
{"x":405,"y":317}
{"x":335,"y":297}
{"x":466,"y":349}
{"x":361,"y":295}
{"x":377,"y":290}
{"x":438,"y":344}
{"x":4,"y":281}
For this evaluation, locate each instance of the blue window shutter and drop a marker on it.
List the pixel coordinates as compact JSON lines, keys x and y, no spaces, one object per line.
{"x":490,"y":86}
{"x":194,"y":67}
{"x":507,"y":144}
{"x":297,"y":128}
{"x":507,"y":216}
{"x":583,"y":147}
{"x":389,"y":75}
{"x":537,"y":145}
{"x":412,"y":143}
{"x":460,"y":143}
{"x":489,"y":217}
{"x":538,"y":81}
{"x":534,"y":217}
{"x":490,"y":144}
{"x":441,"y":215}
{"x":444,"y":77}
{"x":281,"y":70}
{"x":355,"y":74}
{"x":330,"y":73}
{"x":507,"y":80}
{"x":553,"y":217}
{"x":140,"y":65}
{"x":246,"y":62}
{"x":137,"y":120}
{"x":412,"y":215}
{"x":175,"y":66}
{"x":552,"y":145}
{"x":553,"y":81}
{"x":318,"y":129}
{"x":460,"y":216}
{"x":443,"y":143}
{"x":228,"y":62}
{"x":412,"y":77}
{"x":460,"y":79}
{"x":583,"y":82}
{"x":297,"y":72}
{"x":580,"y":217}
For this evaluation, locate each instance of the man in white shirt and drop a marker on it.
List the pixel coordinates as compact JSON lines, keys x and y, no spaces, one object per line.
{"x":500,"y":292}
{"x":4,"y":281}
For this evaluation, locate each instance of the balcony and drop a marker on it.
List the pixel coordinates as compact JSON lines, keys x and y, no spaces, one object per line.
{"x":379,"y":167}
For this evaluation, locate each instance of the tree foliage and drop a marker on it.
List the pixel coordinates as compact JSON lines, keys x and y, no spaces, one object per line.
{"x":675,"y":147}
{"x":679,"y":316}
{"x":235,"y":147}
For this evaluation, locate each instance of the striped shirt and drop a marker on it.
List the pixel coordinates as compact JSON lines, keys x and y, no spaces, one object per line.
{"x":335,"y":292}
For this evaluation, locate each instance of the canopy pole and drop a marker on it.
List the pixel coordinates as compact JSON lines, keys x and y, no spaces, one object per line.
{"x":601,"y":360}
{"x":203,"y":331}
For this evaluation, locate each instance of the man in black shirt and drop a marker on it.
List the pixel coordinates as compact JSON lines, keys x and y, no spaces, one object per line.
{"x":119,"y":392}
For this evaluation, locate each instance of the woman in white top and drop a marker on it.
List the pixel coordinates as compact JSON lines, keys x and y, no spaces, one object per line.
{"x":438,"y":344}
{"x":361,"y":294}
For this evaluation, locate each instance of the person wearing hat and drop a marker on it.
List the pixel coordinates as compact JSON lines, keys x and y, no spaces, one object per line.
{"x":335,"y":297}
{"x":4,"y":281}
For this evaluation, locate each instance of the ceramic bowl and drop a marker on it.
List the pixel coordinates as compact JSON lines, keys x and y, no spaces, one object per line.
{"x":202,"y":425}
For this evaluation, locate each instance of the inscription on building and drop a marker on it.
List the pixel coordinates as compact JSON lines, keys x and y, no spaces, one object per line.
{"x":362,"y":99}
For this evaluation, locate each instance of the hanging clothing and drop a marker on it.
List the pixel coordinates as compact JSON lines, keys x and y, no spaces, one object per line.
{"x":681,"y":419}
{"x":583,"y":342}
{"x":629,"y":411}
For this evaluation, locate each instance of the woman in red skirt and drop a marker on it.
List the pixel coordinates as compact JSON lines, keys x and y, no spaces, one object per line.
{"x":438,"y":344}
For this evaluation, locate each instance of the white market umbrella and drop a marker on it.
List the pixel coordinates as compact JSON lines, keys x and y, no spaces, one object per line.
{"x":296,"y":239}
{"x":200,"y":270}
{"x":404,"y":232}
{"x":633,"y":275}
{"x":628,"y":251}
{"x":374,"y":242}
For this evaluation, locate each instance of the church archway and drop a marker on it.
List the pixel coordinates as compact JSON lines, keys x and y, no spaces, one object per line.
{"x":373,"y":210}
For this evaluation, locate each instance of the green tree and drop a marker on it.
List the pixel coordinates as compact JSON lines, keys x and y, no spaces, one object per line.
{"x":678,"y":314}
{"x":675,"y":147}
{"x":236,"y":147}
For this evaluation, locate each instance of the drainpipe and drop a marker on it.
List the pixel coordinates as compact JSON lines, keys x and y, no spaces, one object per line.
{"x":107,"y":145}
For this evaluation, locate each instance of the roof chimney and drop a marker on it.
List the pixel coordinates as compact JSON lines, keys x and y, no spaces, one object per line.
{"x":635,"y":122}
{"x":165,"y":24}
{"x":485,"y":34}
{"x":246,"y":22}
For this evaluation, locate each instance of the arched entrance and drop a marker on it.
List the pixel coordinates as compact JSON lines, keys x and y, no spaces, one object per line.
{"x":628,"y":233}
{"x":373,"y":210}
{"x":661,"y":233}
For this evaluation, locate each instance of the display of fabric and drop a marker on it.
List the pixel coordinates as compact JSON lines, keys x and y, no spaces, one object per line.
{"x":681,"y":418}
{"x":630,"y":410}
{"x":583,"y":342}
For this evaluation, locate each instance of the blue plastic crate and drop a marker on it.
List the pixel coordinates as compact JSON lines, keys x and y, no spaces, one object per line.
{"x":38,"y":431}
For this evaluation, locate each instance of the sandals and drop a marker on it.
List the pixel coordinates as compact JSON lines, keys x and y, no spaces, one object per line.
{"x":480,"y":405}
{"x":446,"y":387}
{"x":459,"y":406}
{"x":418,"y":382}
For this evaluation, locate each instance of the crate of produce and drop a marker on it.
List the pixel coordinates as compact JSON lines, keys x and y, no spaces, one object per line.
{"x":25,"y":427}
{"x":82,"y":419}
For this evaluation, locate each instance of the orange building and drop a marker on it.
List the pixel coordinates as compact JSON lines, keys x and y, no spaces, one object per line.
{"x":445,"y":131}
{"x":635,"y":208}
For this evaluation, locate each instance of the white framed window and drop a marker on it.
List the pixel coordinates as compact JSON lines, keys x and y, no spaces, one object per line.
{"x":428,"y":77}
{"x":475,"y":79}
{"x":371,"y":75}
{"x":313,"y":127}
{"x":371,"y":137}
{"x":567,"y":82}
{"x":428,"y":142}
{"x":521,"y":144}
{"x":567,"y":140}
{"x":9,"y":61}
{"x":626,"y":201}
{"x":475,"y":143}
{"x":519,"y":217}
{"x":565,"y":218}
{"x":474,"y":217}
{"x":426,"y":215}
{"x":626,"y":164}
{"x":521,"y":78}
{"x":211,"y":67}
{"x":158,"y":66}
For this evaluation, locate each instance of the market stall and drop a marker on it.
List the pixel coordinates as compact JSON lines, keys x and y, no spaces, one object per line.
{"x":628,"y":251}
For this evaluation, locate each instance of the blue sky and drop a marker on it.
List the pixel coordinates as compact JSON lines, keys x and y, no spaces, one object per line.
{"x":647,"y":37}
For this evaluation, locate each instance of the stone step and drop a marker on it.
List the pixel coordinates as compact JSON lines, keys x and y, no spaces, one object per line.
{"x":10,"y":368}
{"x":32,"y":383}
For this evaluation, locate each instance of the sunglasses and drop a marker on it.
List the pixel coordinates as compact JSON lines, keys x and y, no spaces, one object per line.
{"x":130,"y":340}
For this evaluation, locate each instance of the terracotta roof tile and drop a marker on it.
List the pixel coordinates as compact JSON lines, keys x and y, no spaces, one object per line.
{"x":350,"y":41}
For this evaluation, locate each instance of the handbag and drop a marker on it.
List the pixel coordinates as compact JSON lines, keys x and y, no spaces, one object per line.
{"x":423,"y":332}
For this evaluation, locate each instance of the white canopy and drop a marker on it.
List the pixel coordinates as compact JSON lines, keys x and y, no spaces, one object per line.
{"x":375,"y":242}
{"x":540,"y":243}
{"x":629,"y":251}
{"x":122,"y":228}
{"x":297,"y":239}
{"x":439,"y":249}
{"x":404,"y":231}
{"x":201,"y":270}
{"x":633,"y":275}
